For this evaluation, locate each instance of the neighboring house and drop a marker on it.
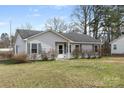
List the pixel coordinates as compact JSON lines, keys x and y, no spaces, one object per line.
{"x":34,"y":42}
{"x":6,"y":50}
{"x":117,"y":46}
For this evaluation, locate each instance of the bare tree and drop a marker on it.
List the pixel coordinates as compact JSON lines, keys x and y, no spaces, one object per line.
{"x":97,"y":12}
{"x":26,"y":26}
{"x":56,"y":24}
{"x":82,"y":16}
{"x":72,"y":27}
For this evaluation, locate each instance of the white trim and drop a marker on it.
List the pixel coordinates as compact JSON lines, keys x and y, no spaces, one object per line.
{"x":61,"y":36}
{"x":122,"y":36}
{"x":34,"y":35}
{"x":63,"y":53}
{"x":88,"y":42}
{"x":15,"y":48}
{"x":49,"y":31}
{"x":62,"y":47}
{"x":31,"y":47}
{"x":26,"y":47}
{"x":20,"y":36}
{"x":68,"y":50}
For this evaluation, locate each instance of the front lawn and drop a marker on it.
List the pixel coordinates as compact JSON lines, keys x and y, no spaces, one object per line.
{"x":104,"y":72}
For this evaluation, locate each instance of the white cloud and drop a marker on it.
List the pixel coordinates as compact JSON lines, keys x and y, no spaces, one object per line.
{"x":3,"y":23}
{"x":58,"y":7}
{"x":33,"y":10}
{"x":61,"y":17}
{"x":36,"y":15}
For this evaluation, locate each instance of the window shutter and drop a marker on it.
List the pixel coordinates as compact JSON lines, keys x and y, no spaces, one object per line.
{"x":16,"y":49}
{"x":28,"y":48}
{"x":39,"y":48}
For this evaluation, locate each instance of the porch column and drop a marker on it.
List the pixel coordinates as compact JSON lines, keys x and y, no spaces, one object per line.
{"x":68,"y":50}
{"x":26,"y":47}
{"x":100,"y":50}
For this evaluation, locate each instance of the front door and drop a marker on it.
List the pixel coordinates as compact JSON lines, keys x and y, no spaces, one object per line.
{"x":60,"y":49}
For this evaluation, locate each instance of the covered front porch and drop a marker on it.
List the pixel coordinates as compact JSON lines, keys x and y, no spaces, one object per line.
{"x":66,"y":49}
{"x":63,"y":50}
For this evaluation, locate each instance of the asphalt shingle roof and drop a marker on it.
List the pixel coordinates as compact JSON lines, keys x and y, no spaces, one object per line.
{"x":27,"y":33}
{"x":76,"y":37}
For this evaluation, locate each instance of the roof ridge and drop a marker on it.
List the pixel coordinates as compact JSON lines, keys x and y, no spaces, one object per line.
{"x":27,"y":30}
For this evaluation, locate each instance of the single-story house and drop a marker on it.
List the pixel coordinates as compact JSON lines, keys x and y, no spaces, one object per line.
{"x":117,"y":46}
{"x":35,"y":42}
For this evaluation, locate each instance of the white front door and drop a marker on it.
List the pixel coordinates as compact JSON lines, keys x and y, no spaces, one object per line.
{"x":60,"y":49}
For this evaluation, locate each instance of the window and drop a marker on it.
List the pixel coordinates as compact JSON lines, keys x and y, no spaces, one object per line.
{"x":114,"y":46}
{"x":96,"y":48}
{"x":60,"y":49}
{"x":77,"y":46}
{"x":34,"y":48}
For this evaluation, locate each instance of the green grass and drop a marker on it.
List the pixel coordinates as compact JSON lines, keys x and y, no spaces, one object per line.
{"x":104,"y":72}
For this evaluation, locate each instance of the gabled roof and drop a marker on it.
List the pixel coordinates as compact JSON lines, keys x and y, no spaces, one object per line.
{"x":27,"y":33}
{"x":73,"y":36}
{"x":115,"y":40}
{"x":77,"y":37}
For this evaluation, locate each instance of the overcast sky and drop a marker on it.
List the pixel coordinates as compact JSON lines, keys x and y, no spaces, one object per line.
{"x":35,"y":15}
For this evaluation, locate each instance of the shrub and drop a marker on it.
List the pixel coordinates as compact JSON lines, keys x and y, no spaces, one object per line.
{"x":82,"y":54}
{"x":86,"y":55}
{"x":33,"y":56}
{"x":98,"y":55}
{"x":9,"y":55}
{"x":19,"y":58}
{"x":76,"y":53}
{"x":52,"y":54}
{"x":44,"y":57}
{"x":92,"y":54}
{"x":6,"y":55}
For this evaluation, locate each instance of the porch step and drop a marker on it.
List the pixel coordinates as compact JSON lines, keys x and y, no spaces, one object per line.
{"x":61,"y":59}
